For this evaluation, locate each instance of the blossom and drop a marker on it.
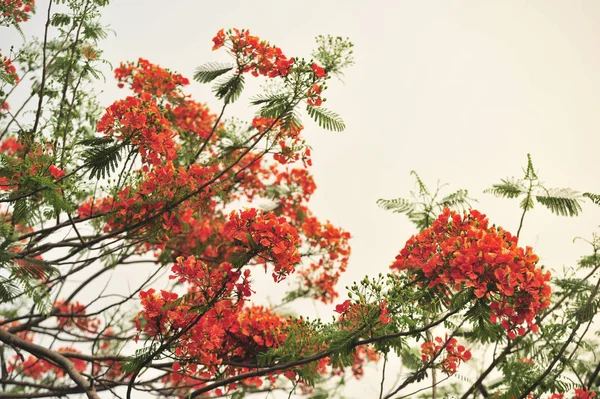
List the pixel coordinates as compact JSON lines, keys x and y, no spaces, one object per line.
{"x":219,"y":40}
{"x":318,"y":71}
{"x":463,"y":252}
{"x":56,"y":172}
{"x":268,"y":236}
{"x":583,"y":393}
{"x":8,"y":69}
{"x":254,"y":55}
{"x":17,"y":11}
{"x":455,"y":353}
{"x":342,"y":307}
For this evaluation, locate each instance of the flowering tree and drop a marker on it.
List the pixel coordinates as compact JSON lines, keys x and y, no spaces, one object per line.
{"x":210,"y":201}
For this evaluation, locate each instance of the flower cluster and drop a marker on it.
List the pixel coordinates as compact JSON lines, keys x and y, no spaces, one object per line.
{"x":193,"y":117}
{"x":253,"y":55}
{"x":455,"y":354}
{"x":313,"y":95}
{"x":459,"y":252}
{"x":580,"y":393}
{"x":145,"y":77}
{"x":268,"y":236}
{"x":291,"y":147}
{"x":72,"y":314}
{"x":333,"y":244}
{"x":352,"y":315}
{"x":210,"y":282}
{"x":8,"y":72}
{"x":39,"y":162}
{"x":139,"y":121}
{"x":11,"y":146}
{"x":39,"y":369}
{"x":15,"y":11}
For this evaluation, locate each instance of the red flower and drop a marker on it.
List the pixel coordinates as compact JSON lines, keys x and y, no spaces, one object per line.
{"x":55,"y":172}
{"x":583,"y":393}
{"x":342,"y":307}
{"x":318,"y":71}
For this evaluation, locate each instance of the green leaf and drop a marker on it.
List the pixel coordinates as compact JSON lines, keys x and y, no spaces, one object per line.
{"x":230,"y":89}
{"x":397,"y":205}
{"x":60,"y":19}
{"x":422,"y":187}
{"x":21,"y":211}
{"x":530,"y":172}
{"x":563,"y":202}
{"x":134,"y":363}
{"x":457,"y":200}
{"x":526,"y":203}
{"x":208,"y":72}
{"x":595,"y":198}
{"x":102,"y":157}
{"x":509,"y":188}
{"x":274,"y":106}
{"x":326,"y":119}
{"x":8,"y":290}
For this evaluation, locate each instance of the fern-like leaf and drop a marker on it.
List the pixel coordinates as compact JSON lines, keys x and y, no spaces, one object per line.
{"x":422,"y":187}
{"x":563,"y":202}
{"x":8,"y":290}
{"x":509,"y":188}
{"x":530,"y":171}
{"x":595,"y":198}
{"x":208,"y":72}
{"x":457,"y":200}
{"x":326,"y":119}
{"x":273,"y":105}
{"x":290,"y":120}
{"x":103,"y":158}
{"x":230,"y":89}
{"x":397,"y":205}
{"x":21,"y":211}
{"x":134,"y":363}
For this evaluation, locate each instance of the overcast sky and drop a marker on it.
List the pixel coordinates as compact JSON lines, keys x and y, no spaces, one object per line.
{"x":459,"y":91}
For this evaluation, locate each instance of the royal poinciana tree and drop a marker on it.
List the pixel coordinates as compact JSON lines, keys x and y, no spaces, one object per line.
{"x":159,"y":180}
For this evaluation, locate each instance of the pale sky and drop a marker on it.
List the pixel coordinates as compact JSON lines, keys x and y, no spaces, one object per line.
{"x":459,"y":91}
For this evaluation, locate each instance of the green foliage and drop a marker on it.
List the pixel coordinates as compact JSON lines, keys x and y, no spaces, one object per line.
{"x":102,"y":156}
{"x":563,"y":202}
{"x":595,"y":198}
{"x":210,"y":71}
{"x":229,"y":89}
{"x":560,"y":201}
{"x":411,"y":358}
{"x":134,"y":363}
{"x":60,"y":19}
{"x":326,"y":119}
{"x":422,"y":208}
{"x":273,"y":105}
{"x":508,"y":188}
{"x":8,"y":290}
{"x":334,"y":54}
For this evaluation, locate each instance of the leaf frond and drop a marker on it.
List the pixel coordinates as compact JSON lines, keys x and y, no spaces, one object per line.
{"x":326,"y":119}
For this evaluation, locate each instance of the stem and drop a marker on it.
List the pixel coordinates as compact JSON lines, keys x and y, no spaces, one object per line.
{"x":562,"y":350}
{"x":42,"y":352}
{"x":526,"y":207}
{"x":385,"y":358}
{"x":39,"y":108}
